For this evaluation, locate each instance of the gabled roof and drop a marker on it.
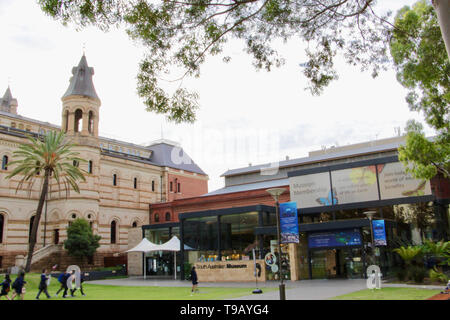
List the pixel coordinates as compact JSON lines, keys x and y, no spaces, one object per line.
{"x":172,"y":156}
{"x":81,"y":82}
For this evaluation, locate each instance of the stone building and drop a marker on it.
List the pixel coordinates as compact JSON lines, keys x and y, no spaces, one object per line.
{"x":122,"y":180}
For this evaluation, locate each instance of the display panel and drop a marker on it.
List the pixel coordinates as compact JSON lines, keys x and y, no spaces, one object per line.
{"x":395,"y":182}
{"x":341,"y":238}
{"x":311,"y":190}
{"x":289,"y":222}
{"x":355,"y":184}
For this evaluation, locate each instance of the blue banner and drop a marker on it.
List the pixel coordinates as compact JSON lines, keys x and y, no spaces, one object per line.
{"x":332,"y":239}
{"x":289,"y":222}
{"x":379,"y":233}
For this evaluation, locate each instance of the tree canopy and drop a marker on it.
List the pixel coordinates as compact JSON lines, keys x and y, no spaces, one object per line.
{"x":183,"y":33}
{"x":81,"y":242}
{"x":423,"y":67}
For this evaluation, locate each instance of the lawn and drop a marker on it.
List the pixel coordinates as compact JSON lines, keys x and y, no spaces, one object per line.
{"x":389,"y":294}
{"x":107,"y":292}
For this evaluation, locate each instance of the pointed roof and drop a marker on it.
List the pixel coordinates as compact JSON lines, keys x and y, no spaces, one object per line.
{"x":7,"y":101}
{"x":81,"y":82}
{"x":172,"y":156}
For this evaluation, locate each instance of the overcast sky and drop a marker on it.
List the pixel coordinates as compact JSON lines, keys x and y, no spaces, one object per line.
{"x":246,"y":116}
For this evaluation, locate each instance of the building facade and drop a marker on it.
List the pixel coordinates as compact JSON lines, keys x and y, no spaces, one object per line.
{"x":332,"y":189}
{"x":122,"y":178}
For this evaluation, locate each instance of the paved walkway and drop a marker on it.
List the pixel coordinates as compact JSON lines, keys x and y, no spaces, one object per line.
{"x":295,"y":290}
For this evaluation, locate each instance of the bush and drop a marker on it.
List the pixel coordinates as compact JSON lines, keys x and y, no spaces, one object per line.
{"x":417,"y":273}
{"x":400,"y":274}
{"x":437,"y":276}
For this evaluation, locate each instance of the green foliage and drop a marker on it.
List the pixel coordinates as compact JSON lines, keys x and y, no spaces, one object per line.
{"x":408,"y":254}
{"x":438,"y":276}
{"x":81,"y":242}
{"x":423,"y":67}
{"x":180,"y":35}
{"x":52,"y":156}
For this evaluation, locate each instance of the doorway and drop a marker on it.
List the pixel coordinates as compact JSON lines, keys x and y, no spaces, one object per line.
{"x":337,"y":263}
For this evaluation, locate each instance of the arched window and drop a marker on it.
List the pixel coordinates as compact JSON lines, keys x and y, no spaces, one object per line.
{"x":78,"y":117}
{"x":135,"y":183}
{"x":156,"y":217}
{"x":90,"y":166}
{"x":2,"y":223}
{"x":113,"y":231}
{"x":153,"y":185}
{"x":114,"y":179}
{"x":5,"y":163}
{"x":91,"y":122}
{"x":31,"y":227}
{"x":167,"y":216}
{"x":134,"y":225}
{"x":76,"y":163}
{"x":66,"y":120}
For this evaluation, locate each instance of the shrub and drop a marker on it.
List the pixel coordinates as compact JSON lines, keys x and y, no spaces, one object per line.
{"x":417,"y":273}
{"x":401,"y":274}
{"x":437,"y":276}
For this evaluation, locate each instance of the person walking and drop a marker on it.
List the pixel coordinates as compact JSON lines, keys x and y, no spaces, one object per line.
{"x":6,"y":286}
{"x":194,"y":279}
{"x":19,"y":286}
{"x":63,"y":280}
{"x":43,"y":284}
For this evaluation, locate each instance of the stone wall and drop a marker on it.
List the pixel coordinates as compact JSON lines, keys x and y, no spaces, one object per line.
{"x":135,"y":259}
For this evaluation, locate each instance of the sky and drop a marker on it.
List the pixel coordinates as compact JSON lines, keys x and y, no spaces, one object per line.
{"x":245,"y":117}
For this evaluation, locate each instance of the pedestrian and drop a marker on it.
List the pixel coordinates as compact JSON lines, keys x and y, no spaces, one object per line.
{"x":43,"y":284}
{"x":81,"y":286}
{"x":194,"y":279}
{"x":63,"y":280}
{"x":19,"y":286}
{"x":6,"y":286}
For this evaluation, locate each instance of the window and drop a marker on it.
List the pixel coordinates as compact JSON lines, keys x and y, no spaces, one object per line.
{"x":134,"y":225}
{"x":171,"y":186}
{"x":167,"y":216}
{"x":90,"y":166}
{"x":5,"y":163}
{"x":13,"y":125}
{"x":2,"y":222}
{"x":114,"y":179}
{"x":156,"y":217}
{"x":179,"y":187}
{"x":113,"y":231}
{"x":78,"y":117}
{"x":135,"y":183}
{"x":76,"y":163}
{"x":153,"y":185}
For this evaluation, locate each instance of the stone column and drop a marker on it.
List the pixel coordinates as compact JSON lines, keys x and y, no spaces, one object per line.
{"x":95,"y":118}
{"x":85,"y":120}
{"x":71,"y":124}
{"x":294,"y":261}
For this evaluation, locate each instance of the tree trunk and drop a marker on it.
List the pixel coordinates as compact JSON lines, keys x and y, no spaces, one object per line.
{"x":37,"y":218}
{"x":442,"y":8}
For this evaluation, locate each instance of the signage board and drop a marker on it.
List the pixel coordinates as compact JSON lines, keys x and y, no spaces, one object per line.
{"x":289,"y":222}
{"x":379,"y":233}
{"x":311,"y":190}
{"x":355,"y":184}
{"x":340,"y":238}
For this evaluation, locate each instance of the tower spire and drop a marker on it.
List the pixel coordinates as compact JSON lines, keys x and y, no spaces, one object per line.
{"x":81,"y":82}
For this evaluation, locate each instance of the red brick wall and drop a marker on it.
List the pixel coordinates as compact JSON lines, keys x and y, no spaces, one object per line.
{"x":190,"y":187}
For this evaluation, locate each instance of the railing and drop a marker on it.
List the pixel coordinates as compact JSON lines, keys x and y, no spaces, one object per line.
{"x":44,"y":252}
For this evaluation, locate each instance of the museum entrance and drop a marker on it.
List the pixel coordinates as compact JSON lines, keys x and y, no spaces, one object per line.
{"x":335,"y":263}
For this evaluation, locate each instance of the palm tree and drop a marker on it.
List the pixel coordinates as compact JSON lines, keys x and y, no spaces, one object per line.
{"x":53,"y":156}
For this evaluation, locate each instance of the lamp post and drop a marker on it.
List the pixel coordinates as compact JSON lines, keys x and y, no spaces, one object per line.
{"x":369,"y":215}
{"x":275,"y":193}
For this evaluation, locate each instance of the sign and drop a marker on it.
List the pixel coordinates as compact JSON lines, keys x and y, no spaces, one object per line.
{"x":311,"y":190}
{"x":341,"y":238}
{"x":289,"y":222}
{"x":355,"y":184}
{"x":270,"y":259}
{"x":379,"y":233}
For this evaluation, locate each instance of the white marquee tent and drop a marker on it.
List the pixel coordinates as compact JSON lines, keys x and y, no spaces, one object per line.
{"x":171,"y":245}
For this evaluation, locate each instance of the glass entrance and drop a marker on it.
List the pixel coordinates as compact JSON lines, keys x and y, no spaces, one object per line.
{"x":337,"y":263}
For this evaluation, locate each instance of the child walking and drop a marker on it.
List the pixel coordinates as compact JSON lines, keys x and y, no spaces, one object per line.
{"x":6,"y":286}
{"x":19,"y":286}
{"x":43,"y":284}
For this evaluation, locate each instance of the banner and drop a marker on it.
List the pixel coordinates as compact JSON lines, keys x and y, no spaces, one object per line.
{"x":379,"y":233}
{"x":289,"y":222}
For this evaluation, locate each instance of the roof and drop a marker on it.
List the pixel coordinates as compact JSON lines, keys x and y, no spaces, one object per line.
{"x":81,"y":82}
{"x":167,"y":155}
{"x":249,"y":186}
{"x":318,"y":158}
{"x":7,"y":100}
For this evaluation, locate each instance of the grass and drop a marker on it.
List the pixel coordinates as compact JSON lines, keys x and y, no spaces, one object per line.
{"x":108,"y":292}
{"x":389,"y":294}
